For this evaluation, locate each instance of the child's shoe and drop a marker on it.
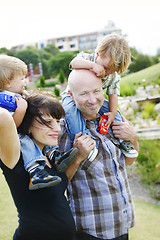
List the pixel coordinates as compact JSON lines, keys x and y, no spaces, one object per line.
{"x":40,"y":178}
{"x":92,"y":155}
{"x":128,"y":150}
{"x":63,"y":159}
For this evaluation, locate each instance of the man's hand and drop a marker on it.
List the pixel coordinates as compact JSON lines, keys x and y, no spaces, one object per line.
{"x":84,"y":143}
{"x":124,"y":131}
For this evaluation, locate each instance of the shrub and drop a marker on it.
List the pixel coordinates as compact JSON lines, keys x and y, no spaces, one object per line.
{"x":42,"y":81}
{"x":57,"y":91}
{"x":149,"y":157}
{"x":61,"y":76}
{"x":148,"y":111}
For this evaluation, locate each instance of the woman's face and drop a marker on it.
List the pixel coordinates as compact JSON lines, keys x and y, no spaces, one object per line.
{"x":43,"y":135}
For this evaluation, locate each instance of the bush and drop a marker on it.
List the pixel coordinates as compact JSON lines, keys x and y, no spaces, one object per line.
{"x":42,"y":81}
{"x":57,"y":91}
{"x":61,"y":76}
{"x":126,"y":89}
{"x":148,"y":111}
{"x":149,"y":157}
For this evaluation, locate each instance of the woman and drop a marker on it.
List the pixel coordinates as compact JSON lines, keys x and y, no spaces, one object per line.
{"x":44,"y":213}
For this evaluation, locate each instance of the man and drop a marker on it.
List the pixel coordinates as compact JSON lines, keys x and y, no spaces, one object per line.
{"x":99,"y":193}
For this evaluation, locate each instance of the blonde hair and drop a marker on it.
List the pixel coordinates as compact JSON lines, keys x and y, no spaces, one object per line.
{"x":117,"y":48}
{"x":10,"y":67}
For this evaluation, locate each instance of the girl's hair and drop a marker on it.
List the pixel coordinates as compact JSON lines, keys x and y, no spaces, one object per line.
{"x":10,"y":67}
{"x":40,"y":103}
{"x":116,"y":47}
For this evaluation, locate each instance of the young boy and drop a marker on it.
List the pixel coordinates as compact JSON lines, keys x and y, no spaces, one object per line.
{"x":12,"y":86}
{"x":112,"y":56}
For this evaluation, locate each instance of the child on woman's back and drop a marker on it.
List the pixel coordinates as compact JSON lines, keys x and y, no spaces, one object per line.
{"x":12,"y":86}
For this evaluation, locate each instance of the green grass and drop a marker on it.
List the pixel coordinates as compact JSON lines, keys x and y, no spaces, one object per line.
{"x":150,"y":73}
{"x":147,"y":221}
{"x":8,"y":213}
{"x":147,"y":225}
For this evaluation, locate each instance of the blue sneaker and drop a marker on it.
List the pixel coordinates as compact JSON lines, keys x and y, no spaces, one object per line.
{"x":40,"y":178}
{"x":61,"y":160}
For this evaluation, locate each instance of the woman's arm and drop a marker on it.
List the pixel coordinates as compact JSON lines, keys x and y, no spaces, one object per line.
{"x":9,"y":141}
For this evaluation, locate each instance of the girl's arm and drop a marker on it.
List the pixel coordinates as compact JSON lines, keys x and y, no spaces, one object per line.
{"x":9,"y":141}
{"x":20,"y":111}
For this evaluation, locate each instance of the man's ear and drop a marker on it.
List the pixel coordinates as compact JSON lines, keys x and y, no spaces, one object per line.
{"x":71,"y":95}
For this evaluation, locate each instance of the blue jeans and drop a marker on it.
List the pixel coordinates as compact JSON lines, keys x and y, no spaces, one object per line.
{"x":85,"y":236}
{"x":31,"y":152}
{"x":75,"y":123}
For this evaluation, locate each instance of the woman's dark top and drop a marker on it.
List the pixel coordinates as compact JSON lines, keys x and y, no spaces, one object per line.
{"x":44,"y":214}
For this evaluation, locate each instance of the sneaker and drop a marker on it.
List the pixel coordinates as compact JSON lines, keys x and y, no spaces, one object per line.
{"x":40,"y":178}
{"x":128,"y":150}
{"x":63,"y":159}
{"x":92,"y":155}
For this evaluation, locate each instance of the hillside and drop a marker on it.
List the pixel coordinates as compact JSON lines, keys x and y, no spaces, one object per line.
{"x":149,"y":74}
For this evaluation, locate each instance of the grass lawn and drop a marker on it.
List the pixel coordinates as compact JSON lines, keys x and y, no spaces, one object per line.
{"x":147,"y":226}
{"x":150,"y":73}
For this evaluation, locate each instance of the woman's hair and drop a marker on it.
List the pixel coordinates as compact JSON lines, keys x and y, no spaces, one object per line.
{"x":40,"y":103}
{"x":10,"y":67}
{"x":117,"y":48}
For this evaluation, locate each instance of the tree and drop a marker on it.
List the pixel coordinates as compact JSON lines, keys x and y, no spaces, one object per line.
{"x":51,"y":49}
{"x":57,"y":91}
{"x":29,"y":55}
{"x":61,"y":61}
{"x":42,"y":81}
{"x":61,"y":76}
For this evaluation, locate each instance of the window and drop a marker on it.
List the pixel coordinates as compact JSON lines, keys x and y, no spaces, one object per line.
{"x":82,"y":39}
{"x":92,"y":37}
{"x":60,"y":47}
{"x":72,"y":46}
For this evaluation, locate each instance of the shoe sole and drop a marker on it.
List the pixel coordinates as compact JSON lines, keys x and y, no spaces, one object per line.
{"x":129,"y":155}
{"x":93,"y":155}
{"x":44,"y":185}
{"x":65,"y":163}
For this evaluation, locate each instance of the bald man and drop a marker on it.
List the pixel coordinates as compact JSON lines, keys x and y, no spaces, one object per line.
{"x":99,"y":193}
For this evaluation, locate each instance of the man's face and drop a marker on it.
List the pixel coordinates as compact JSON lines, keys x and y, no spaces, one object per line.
{"x":88,"y":95}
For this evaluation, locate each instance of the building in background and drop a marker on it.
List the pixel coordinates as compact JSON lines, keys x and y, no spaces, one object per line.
{"x":86,"y":41}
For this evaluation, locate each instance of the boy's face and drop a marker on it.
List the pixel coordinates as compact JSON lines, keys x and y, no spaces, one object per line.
{"x":106,"y":63}
{"x":16,"y":85}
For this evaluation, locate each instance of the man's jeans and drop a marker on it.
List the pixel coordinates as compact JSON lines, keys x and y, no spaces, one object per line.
{"x":85,"y":236}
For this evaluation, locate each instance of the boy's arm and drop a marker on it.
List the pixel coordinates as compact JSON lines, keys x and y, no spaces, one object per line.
{"x":81,"y":63}
{"x":113,"y":106}
{"x":20,"y":111}
{"x":9,"y":141}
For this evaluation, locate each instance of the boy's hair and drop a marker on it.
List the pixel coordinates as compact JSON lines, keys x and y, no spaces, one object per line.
{"x":117,"y":48}
{"x":10,"y":67}
{"x":40,"y":103}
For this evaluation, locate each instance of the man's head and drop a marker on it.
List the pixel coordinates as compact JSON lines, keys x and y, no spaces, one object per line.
{"x":86,"y":90}
{"x":114,"y":53}
{"x":12,"y":74}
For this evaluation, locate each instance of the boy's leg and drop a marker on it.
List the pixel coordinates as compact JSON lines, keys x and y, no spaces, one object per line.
{"x":126,"y":147}
{"x":74,"y":121}
{"x":61,"y":160}
{"x":34,"y":163}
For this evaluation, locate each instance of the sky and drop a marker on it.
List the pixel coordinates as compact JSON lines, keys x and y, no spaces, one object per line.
{"x":34,"y":20}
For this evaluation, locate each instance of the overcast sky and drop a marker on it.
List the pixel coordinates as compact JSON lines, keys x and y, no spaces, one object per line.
{"x":34,"y":20}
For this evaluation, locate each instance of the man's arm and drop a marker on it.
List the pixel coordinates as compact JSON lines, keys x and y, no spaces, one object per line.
{"x":126,"y":132}
{"x":84,"y":144}
{"x":9,"y":141}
